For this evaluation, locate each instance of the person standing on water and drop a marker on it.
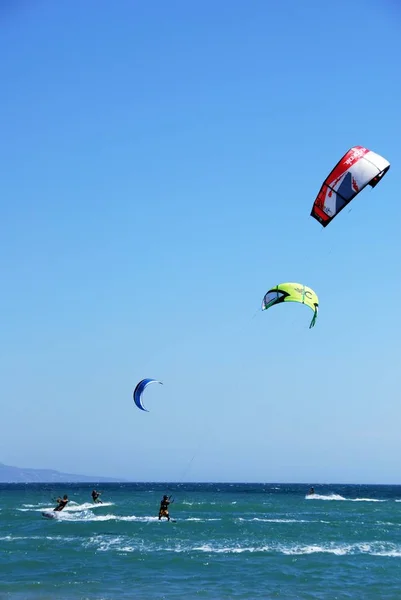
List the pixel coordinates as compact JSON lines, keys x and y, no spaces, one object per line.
{"x":62,"y":503}
{"x":95,"y":496}
{"x":163,"y":511}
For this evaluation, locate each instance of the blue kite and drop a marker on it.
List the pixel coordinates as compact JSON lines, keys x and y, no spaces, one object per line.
{"x":138,"y":391}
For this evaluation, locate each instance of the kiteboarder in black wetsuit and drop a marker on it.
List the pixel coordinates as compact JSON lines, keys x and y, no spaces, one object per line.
{"x":62,"y":503}
{"x":163,"y":511}
{"x":95,"y":496}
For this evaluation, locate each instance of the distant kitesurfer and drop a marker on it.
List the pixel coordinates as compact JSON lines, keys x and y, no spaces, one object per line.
{"x":95,"y":496}
{"x":62,"y":503}
{"x":311,"y":491}
{"x":163,"y":511}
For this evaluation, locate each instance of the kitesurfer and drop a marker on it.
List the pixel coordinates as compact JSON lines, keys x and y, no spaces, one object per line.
{"x":163,"y":511}
{"x":62,"y":503}
{"x":95,"y":496}
{"x":311,"y":491}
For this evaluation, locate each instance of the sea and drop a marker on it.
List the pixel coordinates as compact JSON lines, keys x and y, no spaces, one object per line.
{"x":229,"y":540}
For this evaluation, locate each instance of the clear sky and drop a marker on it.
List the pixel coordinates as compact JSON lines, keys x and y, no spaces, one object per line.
{"x":159,"y":161}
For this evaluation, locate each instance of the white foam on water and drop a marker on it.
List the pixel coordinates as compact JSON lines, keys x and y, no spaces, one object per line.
{"x":57,"y":538}
{"x":322,"y":497}
{"x":105,"y":543}
{"x":74,"y":507}
{"x":373,"y":549}
{"x":200,"y":520}
{"x":265,"y":520}
{"x":366,"y":500}
{"x":338,"y":497}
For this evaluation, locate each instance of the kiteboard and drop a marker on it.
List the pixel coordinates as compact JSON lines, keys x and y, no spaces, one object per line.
{"x":167,"y":521}
{"x":49,"y":515}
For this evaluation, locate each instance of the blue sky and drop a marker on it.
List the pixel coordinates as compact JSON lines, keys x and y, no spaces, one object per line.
{"x":159,"y":164}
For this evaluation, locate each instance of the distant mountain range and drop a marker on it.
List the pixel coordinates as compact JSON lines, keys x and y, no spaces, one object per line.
{"x":17,"y":475}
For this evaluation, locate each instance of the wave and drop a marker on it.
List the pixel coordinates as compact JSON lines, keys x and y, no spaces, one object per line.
{"x":366,"y":500}
{"x":322,"y":497}
{"x":263,"y":520}
{"x":200,"y":520}
{"x":187,"y":503}
{"x":57,"y":538}
{"x":43,"y":507}
{"x":89,"y":517}
{"x":373,"y":549}
{"x":338,"y":497}
{"x":124,"y":544}
{"x":87,"y":506}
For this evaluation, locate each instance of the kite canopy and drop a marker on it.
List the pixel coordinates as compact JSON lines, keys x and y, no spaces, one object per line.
{"x":138,"y":391}
{"x":358,"y":168}
{"x":292,"y":292}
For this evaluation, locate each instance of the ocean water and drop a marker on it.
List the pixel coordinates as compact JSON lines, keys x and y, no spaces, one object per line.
{"x":240,"y":541}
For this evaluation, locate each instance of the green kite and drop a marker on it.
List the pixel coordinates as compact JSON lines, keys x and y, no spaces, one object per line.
{"x":292,"y":292}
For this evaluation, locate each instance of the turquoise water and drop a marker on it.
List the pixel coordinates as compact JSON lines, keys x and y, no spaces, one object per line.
{"x":229,"y":541}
